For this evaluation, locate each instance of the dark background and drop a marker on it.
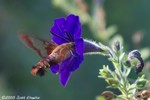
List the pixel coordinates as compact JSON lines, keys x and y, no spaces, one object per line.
{"x":36,"y":17}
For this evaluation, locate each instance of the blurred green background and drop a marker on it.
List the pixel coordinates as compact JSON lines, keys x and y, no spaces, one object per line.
{"x":36,"y":17}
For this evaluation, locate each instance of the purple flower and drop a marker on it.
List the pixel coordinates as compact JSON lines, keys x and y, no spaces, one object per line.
{"x":65,"y":31}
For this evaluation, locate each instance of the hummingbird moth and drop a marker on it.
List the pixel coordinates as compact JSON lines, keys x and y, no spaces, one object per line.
{"x":50,"y":52}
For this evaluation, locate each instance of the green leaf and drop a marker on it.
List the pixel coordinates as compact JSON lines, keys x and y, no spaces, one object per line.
{"x":113,"y":87}
{"x":122,"y":57}
{"x":100,"y":98}
{"x":127,"y":72}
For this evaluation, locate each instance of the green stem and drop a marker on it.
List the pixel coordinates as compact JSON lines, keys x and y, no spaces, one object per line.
{"x":124,"y":90}
{"x":123,"y":85}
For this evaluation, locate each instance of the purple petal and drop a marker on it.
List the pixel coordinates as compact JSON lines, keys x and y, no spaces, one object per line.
{"x":72,"y":63}
{"x":78,"y":30}
{"x":75,"y":63}
{"x":79,"y":46}
{"x":57,"y":31}
{"x":73,"y":26}
{"x":55,"y":69}
{"x":57,"y":40}
{"x":64,"y":77}
{"x":69,"y":65}
{"x":66,"y":63}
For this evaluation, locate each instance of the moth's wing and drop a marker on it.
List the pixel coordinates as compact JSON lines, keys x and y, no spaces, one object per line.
{"x":42,"y":47}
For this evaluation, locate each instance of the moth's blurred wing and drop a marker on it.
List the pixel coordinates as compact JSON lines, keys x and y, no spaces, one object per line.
{"x":42,"y":47}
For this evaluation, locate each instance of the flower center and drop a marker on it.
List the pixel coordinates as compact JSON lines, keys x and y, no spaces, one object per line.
{"x":69,"y":36}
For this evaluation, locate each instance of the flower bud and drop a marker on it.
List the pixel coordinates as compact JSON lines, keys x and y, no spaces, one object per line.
{"x":145,"y":94}
{"x":141,"y":83}
{"x":112,"y":82}
{"x":142,"y":95}
{"x":117,"y":46}
{"x":108,"y":95}
{"x":136,"y":56}
{"x":127,"y":63}
{"x":105,"y":74}
{"x":139,"y":67}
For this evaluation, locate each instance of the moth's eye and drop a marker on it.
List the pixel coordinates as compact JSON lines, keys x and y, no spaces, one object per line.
{"x":33,"y":66}
{"x":41,"y":72}
{"x":72,"y":45}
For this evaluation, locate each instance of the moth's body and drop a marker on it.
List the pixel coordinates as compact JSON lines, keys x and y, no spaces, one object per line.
{"x":55,"y":54}
{"x":59,"y":54}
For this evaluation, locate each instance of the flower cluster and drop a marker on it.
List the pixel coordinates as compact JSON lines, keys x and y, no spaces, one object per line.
{"x":123,"y":63}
